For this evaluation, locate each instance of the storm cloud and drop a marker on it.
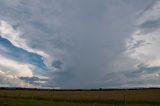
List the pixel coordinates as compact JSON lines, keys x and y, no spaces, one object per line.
{"x":83,"y":43}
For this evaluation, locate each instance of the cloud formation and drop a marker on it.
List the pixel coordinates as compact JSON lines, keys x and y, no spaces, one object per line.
{"x":10,"y":71}
{"x":86,"y":43}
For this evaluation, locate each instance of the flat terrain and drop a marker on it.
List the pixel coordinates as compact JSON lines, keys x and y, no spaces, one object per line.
{"x":143,"y":97}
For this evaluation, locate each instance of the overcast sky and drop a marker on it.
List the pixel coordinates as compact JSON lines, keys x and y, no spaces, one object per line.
{"x":80,"y":43}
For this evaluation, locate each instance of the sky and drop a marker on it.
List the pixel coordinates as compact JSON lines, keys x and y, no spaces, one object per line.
{"x":83,"y":44}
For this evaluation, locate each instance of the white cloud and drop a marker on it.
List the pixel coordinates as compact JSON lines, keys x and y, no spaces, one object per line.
{"x":7,"y":80}
{"x":15,"y":68}
{"x":14,"y":36}
{"x":11,"y":70}
{"x":151,"y":13}
{"x":145,"y":41}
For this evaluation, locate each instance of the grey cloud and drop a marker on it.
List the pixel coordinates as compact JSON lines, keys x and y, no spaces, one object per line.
{"x":134,"y":78}
{"x":85,"y":37}
{"x":57,"y":64}
{"x":33,"y":80}
{"x":151,"y":24}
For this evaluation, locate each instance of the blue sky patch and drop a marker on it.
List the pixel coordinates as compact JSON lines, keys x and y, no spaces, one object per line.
{"x":22,"y":55}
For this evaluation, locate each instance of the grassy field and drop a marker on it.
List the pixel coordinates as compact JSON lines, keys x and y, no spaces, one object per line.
{"x":148,"y":97}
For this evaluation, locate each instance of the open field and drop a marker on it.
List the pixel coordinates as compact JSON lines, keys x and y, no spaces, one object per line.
{"x":143,"y":97}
